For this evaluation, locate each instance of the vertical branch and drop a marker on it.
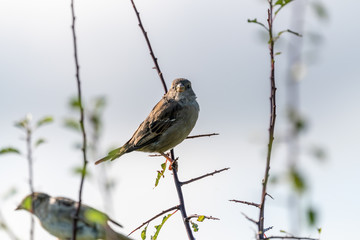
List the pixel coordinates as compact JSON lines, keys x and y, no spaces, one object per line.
{"x":31,"y":177}
{"x":181,"y":199}
{"x":157,"y":67}
{"x":272,"y":121}
{"x":81,"y":121}
{"x":176,"y":179}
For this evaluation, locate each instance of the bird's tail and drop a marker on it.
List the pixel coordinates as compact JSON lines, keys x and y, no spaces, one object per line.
{"x":116,"y":153}
{"x":112,"y":235}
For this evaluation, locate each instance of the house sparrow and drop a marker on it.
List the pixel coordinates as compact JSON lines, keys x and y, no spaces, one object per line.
{"x":168,"y":124}
{"x":56,"y":217}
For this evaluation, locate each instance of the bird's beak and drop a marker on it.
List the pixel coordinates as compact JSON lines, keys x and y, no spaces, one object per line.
{"x":180,"y":87}
{"x":18,"y":208}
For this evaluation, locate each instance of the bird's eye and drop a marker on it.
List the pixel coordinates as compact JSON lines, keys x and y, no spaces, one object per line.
{"x":188,"y":86}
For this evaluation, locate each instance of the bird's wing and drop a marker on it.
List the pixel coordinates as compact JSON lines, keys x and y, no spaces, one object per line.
{"x":162,"y":117}
{"x":65,"y":208}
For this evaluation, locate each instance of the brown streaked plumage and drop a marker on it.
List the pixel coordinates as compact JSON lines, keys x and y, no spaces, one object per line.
{"x":168,"y":124}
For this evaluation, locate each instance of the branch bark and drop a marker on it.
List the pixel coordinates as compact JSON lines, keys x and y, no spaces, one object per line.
{"x":81,"y":121}
{"x":203,"y":176}
{"x":291,"y":237}
{"x":202,"y":135}
{"x":31,"y":177}
{"x":157,"y":67}
{"x":272,"y":122}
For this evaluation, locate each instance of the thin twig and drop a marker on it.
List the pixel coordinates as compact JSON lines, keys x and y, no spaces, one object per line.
{"x":31,"y":176}
{"x":203,"y":135}
{"x":181,"y":197}
{"x":272,"y":121}
{"x":247,"y":203}
{"x":250,"y":219}
{"x":81,"y":121}
{"x":156,"y":216}
{"x":197,"y":216}
{"x":157,"y":67}
{"x":203,"y":176}
{"x":291,"y":237}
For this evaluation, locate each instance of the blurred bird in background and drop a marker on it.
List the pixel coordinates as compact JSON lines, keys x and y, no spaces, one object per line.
{"x":56,"y":217}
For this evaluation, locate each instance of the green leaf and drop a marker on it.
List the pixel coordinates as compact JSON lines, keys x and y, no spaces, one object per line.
{"x":96,"y":216}
{"x":319,"y":230}
{"x":311,"y":216}
{"x":74,"y":103}
{"x":80,"y":171}
{"x":39,"y":142}
{"x":319,"y":153}
{"x":100,"y":102}
{"x":297,"y":180}
{"x":160,"y":173}
{"x":44,"y":120}
{"x":282,"y":2}
{"x":9,"y":150}
{"x":252,"y":20}
{"x":320,"y":10}
{"x":22,"y":124}
{"x":201,"y":218}
{"x":143,"y":233}
{"x":72,"y":124}
{"x":158,"y":227}
{"x":194,"y":226}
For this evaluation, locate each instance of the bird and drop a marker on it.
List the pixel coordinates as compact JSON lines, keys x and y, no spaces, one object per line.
{"x":56,"y":217}
{"x":168,"y":124}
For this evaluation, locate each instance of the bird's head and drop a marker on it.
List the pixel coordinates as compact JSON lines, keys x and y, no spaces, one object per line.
{"x":32,"y":202}
{"x":181,"y":89}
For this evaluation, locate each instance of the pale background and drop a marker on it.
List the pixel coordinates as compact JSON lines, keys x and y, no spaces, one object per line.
{"x":210,"y":43}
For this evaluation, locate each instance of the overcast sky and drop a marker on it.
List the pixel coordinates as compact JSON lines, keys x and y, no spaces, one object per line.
{"x":211,"y":44}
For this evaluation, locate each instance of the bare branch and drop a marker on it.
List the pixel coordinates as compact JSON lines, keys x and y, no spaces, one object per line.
{"x":81,"y":121}
{"x":156,"y":216}
{"x":203,"y":176}
{"x":291,"y":237}
{"x":203,"y":135}
{"x":272,"y":121}
{"x":31,"y":175}
{"x":157,"y":67}
{"x":247,"y":203}
{"x":250,"y":219}
{"x":197,"y":216}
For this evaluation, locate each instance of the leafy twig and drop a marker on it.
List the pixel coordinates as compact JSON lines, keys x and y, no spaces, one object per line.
{"x":203,"y":176}
{"x":201,"y":217}
{"x":156,"y":216}
{"x":81,"y":121}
